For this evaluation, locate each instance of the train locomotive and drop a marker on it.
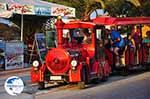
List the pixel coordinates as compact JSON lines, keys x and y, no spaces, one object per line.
{"x":76,"y":59}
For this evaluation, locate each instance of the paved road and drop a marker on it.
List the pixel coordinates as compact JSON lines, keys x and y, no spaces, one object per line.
{"x":24,"y":76}
{"x":117,"y":87}
{"x":134,"y":87}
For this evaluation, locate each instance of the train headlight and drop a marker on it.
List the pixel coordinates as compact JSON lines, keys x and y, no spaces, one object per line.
{"x":35,"y":63}
{"x":74,"y":63}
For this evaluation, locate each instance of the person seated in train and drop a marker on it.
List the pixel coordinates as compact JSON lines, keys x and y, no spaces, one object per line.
{"x":148,"y":34}
{"x":87,"y":36}
{"x":100,"y":50}
{"x":101,"y":56}
{"x":107,"y":39}
{"x":108,"y":46}
{"x":146,"y":40}
{"x":136,"y":35}
{"x":117,"y":42}
{"x":130,"y":42}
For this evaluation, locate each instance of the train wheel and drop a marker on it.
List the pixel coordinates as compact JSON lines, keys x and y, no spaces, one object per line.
{"x":81,"y":84}
{"x":104,"y":78}
{"x":147,"y":67}
{"x":125,"y":71}
{"x":99,"y":76}
{"x":41,"y":85}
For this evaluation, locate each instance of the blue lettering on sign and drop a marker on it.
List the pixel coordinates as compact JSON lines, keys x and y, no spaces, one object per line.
{"x":41,"y":10}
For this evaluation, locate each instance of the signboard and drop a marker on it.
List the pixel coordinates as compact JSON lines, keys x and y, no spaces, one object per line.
{"x":3,"y":11}
{"x":14,"y":55}
{"x":63,"y":11}
{"x":41,"y":10}
{"x":21,"y":9}
{"x":29,"y":9}
{"x":2,"y":55}
{"x":41,"y":45}
{"x":3,"y":7}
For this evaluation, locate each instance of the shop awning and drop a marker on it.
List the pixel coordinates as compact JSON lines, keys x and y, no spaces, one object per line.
{"x":34,"y":7}
{"x":121,"y":21}
{"x":7,"y":24}
{"x":5,"y":21}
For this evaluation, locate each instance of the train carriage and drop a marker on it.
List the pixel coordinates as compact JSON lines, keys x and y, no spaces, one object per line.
{"x":133,"y":55}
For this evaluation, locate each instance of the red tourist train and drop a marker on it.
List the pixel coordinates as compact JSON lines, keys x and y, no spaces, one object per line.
{"x":136,"y":52}
{"x":83,"y":53}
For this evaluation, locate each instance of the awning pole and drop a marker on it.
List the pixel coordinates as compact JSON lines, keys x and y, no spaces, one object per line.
{"x":22,"y":27}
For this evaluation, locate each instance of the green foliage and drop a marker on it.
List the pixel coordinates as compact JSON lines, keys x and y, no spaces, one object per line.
{"x":121,"y":7}
{"x":146,"y":8}
{"x":79,"y":5}
{"x":114,"y":7}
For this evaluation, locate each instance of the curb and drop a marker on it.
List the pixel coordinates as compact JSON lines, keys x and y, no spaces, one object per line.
{"x":14,"y":71}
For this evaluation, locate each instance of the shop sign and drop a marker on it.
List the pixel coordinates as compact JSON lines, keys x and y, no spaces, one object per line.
{"x":4,"y":12}
{"x":14,"y":55}
{"x":3,"y":7}
{"x":41,"y":10}
{"x":63,"y":11}
{"x":21,"y":9}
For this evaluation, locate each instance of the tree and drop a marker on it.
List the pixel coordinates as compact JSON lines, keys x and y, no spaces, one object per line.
{"x":79,"y":5}
{"x":90,"y":6}
{"x":115,"y":7}
{"x":136,"y":3}
{"x":145,"y":8}
{"x":83,"y":7}
{"x":122,"y":8}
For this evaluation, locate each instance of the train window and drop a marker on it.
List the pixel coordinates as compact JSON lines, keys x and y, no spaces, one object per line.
{"x":66,"y":33}
{"x":78,"y":35}
{"x":66,"y":36}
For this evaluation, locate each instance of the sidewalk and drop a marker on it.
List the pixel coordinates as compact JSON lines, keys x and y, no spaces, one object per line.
{"x":24,"y":73}
{"x":6,"y":72}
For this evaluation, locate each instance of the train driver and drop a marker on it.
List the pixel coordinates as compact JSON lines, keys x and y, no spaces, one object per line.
{"x":78,"y":35}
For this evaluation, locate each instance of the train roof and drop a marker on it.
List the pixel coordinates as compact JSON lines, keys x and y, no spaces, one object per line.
{"x":121,"y":21}
{"x":78,"y":24}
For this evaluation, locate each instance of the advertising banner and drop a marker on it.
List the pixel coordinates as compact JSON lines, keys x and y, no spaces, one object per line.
{"x":14,"y":55}
{"x":21,"y":9}
{"x":29,"y":9}
{"x":3,"y":7}
{"x":4,"y":12}
{"x":63,"y":11}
